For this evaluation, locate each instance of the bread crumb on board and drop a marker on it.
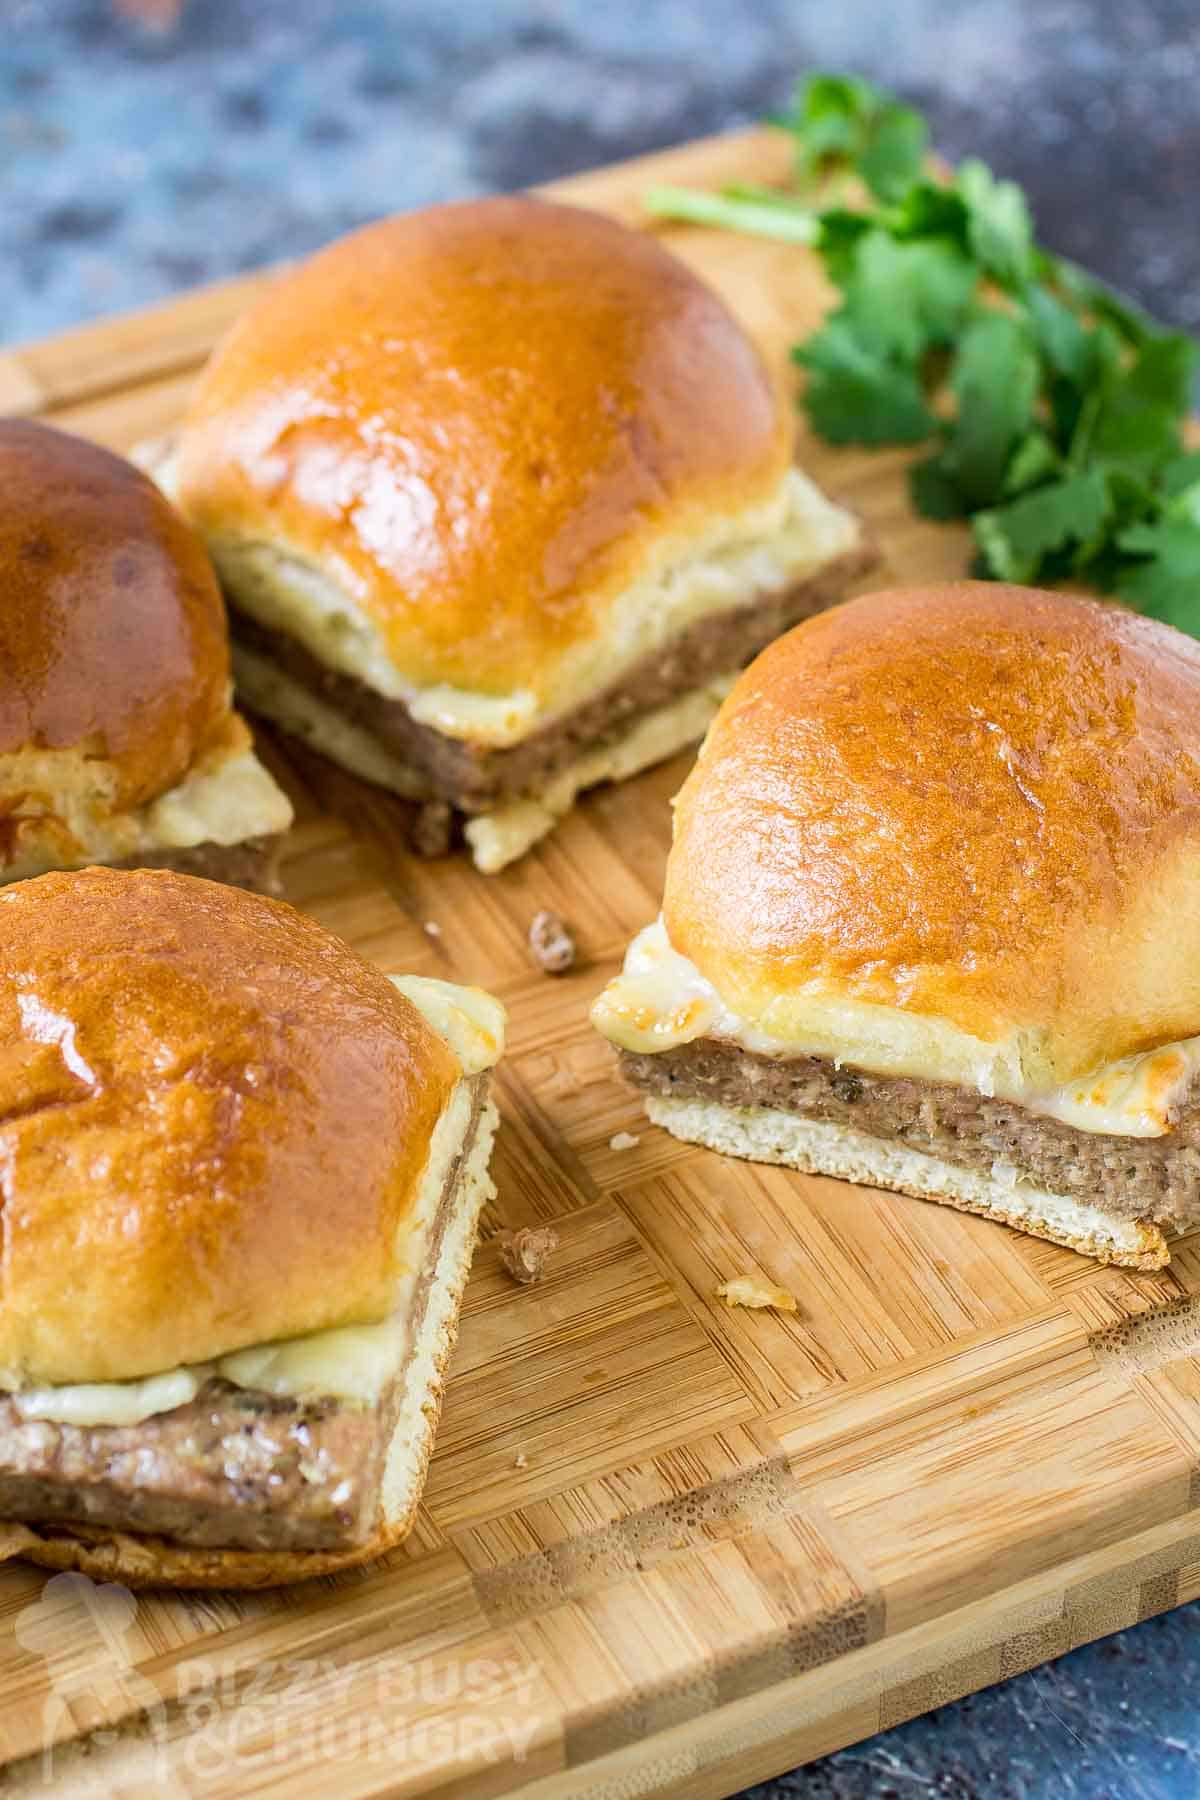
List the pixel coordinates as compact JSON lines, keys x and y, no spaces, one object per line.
{"x":749,"y":1290}
{"x":520,"y":1460}
{"x":523,"y":1253}
{"x":550,"y":943}
{"x":624,"y":1140}
{"x":432,"y":928}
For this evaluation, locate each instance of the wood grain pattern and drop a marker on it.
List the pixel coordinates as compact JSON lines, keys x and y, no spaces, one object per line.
{"x":666,"y":1547}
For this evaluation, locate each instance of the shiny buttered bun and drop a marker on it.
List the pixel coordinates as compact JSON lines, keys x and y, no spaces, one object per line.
{"x":215,"y":1117}
{"x":954,"y":832}
{"x":118,"y":741}
{"x":114,"y":664}
{"x":474,"y":423}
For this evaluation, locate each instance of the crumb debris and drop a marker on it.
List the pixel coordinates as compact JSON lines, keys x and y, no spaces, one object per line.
{"x":432,"y":829}
{"x":432,"y":928}
{"x":523,"y":1253}
{"x":750,"y":1290}
{"x":624,"y":1140}
{"x":550,"y":943}
{"x":520,"y":1460}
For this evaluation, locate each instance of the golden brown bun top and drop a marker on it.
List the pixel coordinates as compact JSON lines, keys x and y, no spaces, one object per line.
{"x":975,"y":803}
{"x":215,"y":1116}
{"x":112,"y":631}
{"x":476,"y":418}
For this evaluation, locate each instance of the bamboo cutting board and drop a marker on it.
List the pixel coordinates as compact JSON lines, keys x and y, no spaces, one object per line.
{"x":666,"y":1548}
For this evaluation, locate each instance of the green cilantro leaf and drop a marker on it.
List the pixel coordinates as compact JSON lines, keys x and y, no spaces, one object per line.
{"x":1091,"y":297}
{"x":1136,"y":423}
{"x":934,"y":489}
{"x":1181,"y":474}
{"x":840,"y":234}
{"x":840,"y":121}
{"x":1162,"y":371}
{"x":1069,"y":514}
{"x":830,"y":119}
{"x":999,"y":228}
{"x":857,"y":394}
{"x":995,"y":384}
{"x":908,"y":296}
{"x":896,"y":147}
{"x":1132,"y":499}
{"x":1165,"y":581}
{"x":930,"y":209}
{"x":1066,"y":345}
{"x":1032,"y":462}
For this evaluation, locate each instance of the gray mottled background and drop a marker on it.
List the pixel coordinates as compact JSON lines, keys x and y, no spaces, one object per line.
{"x":135,"y":161}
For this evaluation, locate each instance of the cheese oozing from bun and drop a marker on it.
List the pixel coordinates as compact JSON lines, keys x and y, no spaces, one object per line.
{"x":661,"y":1000}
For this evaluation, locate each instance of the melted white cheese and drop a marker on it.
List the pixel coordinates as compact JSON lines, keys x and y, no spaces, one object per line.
{"x":227,"y":799}
{"x":661,"y":1000}
{"x":223,"y":805}
{"x":471,"y":1021}
{"x":1135,"y":1097}
{"x":113,"y":1402}
{"x":506,"y":832}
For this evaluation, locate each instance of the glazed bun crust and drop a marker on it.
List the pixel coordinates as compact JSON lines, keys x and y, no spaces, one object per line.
{"x":112,"y":634}
{"x":973,"y":803}
{"x":215,"y":1117}
{"x":477,"y":419}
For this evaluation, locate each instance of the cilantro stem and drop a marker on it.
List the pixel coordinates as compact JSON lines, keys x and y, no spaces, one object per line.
{"x":775,"y":217}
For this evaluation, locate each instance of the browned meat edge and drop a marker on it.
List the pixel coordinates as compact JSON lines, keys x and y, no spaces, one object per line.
{"x":253,"y":864}
{"x":1130,"y":1178}
{"x":233,"y":1468}
{"x":474,"y":779}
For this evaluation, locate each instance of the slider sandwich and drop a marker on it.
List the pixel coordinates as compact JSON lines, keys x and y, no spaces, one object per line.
{"x":118,"y":742}
{"x":932,"y":916}
{"x":502,"y":497}
{"x":242,"y":1175}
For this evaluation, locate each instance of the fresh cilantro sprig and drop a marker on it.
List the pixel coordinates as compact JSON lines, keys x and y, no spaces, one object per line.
{"x":1053,"y":410}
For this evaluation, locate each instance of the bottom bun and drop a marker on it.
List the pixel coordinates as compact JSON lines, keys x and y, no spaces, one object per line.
{"x":767,"y":1134}
{"x":139,"y":1562}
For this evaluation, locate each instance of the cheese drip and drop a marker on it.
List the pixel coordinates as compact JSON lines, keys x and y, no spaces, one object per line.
{"x":471,"y":1021}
